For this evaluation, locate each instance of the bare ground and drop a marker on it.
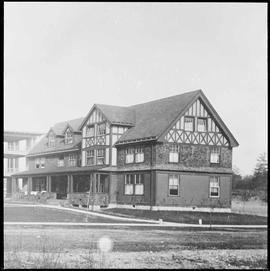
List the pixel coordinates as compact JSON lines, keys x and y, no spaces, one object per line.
{"x":33,"y":247}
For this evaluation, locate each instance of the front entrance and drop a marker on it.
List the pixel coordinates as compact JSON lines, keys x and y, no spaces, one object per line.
{"x":59,"y":186}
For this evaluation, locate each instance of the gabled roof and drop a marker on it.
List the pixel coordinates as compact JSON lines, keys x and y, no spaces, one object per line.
{"x":118,"y":114}
{"x":152,"y":118}
{"x":59,"y":128}
{"x":114,"y":114}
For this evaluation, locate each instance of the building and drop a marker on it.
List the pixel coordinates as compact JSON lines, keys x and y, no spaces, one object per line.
{"x":169,"y":154}
{"x":16,"y":146}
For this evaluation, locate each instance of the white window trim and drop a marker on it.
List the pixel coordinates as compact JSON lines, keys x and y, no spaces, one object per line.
{"x":178,"y":178}
{"x":214,"y":186}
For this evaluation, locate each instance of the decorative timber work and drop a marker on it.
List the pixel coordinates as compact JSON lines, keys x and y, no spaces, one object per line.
{"x":196,"y":127}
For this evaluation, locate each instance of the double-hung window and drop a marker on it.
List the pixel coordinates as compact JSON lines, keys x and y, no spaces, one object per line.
{"x":60,"y":162}
{"x":201,"y":124}
{"x":139,"y":184}
{"x":72,"y":160}
{"x":215,"y":155}
{"x":189,"y":124}
{"x":174,"y":184}
{"x":90,"y":157}
{"x":129,"y":184}
{"x":214,"y":187}
{"x":100,"y":157}
{"x":129,"y":155}
{"x":139,"y":155}
{"x":174,"y":153}
{"x":90,"y":131}
{"x":101,"y":129}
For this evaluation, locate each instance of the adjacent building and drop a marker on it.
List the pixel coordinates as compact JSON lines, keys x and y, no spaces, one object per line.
{"x":16,"y":146}
{"x":169,"y":154}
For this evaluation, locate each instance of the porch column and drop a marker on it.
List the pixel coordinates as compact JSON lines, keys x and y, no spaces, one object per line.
{"x":71,"y":184}
{"x":13,"y":185}
{"x":29,"y":185}
{"x":48,"y":184}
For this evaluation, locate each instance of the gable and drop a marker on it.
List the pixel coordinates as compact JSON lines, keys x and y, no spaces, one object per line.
{"x":213,"y":135}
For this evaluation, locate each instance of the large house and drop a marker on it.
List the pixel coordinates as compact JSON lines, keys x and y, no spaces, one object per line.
{"x":16,"y":146}
{"x":169,"y":154}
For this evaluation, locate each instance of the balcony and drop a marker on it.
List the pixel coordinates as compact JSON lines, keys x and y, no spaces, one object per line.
{"x":9,"y":153}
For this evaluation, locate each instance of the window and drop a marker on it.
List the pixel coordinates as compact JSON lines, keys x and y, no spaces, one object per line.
{"x":68,"y":137}
{"x":139,"y":184}
{"x":72,"y":160}
{"x":40,"y":162}
{"x":90,"y":131}
{"x":215,"y":156}
{"x":51,"y":140}
{"x":214,"y":187}
{"x":202,"y":125}
{"x":101,"y":129}
{"x":189,"y":124}
{"x":100,"y":157}
{"x":174,"y":154}
{"x":129,"y":156}
{"x":60,"y":162}
{"x":129,"y":182}
{"x":139,"y":155}
{"x":90,"y":157}
{"x":173,"y":185}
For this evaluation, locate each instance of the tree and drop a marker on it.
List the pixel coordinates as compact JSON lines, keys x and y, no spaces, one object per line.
{"x":261,"y":168}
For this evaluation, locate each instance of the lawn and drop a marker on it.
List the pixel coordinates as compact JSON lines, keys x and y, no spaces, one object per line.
{"x":43,"y":214}
{"x":191,"y":217}
{"x":133,"y":248}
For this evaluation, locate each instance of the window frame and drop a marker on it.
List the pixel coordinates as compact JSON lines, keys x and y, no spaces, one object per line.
{"x":172,"y":146}
{"x":72,"y":162}
{"x":68,"y":137}
{"x":88,"y":127}
{"x":90,"y":156}
{"x":193,"y":123}
{"x":213,"y":186}
{"x":206,"y":126}
{"x":141,"y":181}
{"x":178,"y":179}
{"x":129,"y":151}
{"x":215,"y":150}
{"x":127,"y":177}
{"x":99,"y":156}
{"x":138,"y":151}
{"x":98,"y":128}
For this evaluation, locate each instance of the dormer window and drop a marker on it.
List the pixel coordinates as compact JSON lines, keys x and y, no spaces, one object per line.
{"x":68,"y":137}
{"x":51,"y":140}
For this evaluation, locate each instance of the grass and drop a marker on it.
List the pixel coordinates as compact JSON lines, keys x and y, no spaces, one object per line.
{"x":191,"y":217}
{"x":43,"y":214}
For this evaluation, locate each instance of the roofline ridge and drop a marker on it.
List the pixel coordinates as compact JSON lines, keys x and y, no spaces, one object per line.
{"x":165,"y":98}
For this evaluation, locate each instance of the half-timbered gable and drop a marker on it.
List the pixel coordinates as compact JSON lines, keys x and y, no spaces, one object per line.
{"x":197,"y":126}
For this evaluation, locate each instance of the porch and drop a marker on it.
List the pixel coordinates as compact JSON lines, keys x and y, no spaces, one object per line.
{"x":91,"y":189}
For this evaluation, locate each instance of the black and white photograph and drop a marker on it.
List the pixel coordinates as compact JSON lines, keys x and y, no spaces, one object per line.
{"x":135,"y":135}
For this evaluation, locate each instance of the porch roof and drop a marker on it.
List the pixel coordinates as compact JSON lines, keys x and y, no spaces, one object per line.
{"x":64,"y":170}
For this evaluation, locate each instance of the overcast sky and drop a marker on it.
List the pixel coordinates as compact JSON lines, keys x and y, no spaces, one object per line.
{"x":61,"y":58}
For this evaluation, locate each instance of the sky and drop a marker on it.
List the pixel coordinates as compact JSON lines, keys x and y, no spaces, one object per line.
{"x":61,"y":58}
